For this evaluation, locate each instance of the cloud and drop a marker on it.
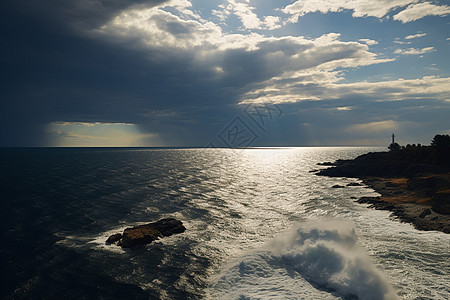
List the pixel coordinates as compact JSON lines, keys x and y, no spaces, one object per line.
{"x":344,"y":108}
{"x":378,"y":126}
{"x":325,"y":86}
{"x":253,"y":67}
{"x":98,"y":134}
{"x":419,"y":10}
{"x":413,"y":36}
{"x":248,"y":58}
{"x":360,"y":8}
{"x":176,"y":73}
{"x":414,"y":51}
{"x":368,"y":8}
{"x":80,"y":15}
{"x":89,"y":124}
{"x":245,"y":13}
{"x":402,"y":42}
{"x":368,"y":42}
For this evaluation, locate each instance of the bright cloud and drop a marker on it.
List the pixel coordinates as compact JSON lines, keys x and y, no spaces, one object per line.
{"x":414,"y":51}
{"x":419,"y":10}
{"x":157,"y":28}
{"x":368,"y":8}
{"x":378,"y":126}
{"x":326,"y":86}
{"x":245,"y":12}
{"x":413,"y":36}
{"x":289,"y":68}
{"x":360,"y":8}
{"x":368,"y":41}
{"x":98,"y":134}
{"x":203,"y":43}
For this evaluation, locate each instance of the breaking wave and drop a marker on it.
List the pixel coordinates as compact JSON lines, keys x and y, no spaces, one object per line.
{"x":314,"y":260}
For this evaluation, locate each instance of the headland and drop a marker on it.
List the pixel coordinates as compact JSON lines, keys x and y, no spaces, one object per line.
{"x":414,"y":181}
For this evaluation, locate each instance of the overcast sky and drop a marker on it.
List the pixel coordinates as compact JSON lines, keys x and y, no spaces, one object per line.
{"x":223,"y":73}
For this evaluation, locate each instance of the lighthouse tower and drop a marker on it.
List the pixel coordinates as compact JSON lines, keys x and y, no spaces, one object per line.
{"x":394,"y":146}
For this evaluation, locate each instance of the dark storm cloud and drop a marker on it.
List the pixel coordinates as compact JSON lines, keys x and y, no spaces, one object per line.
{"x":80,"y":13}
{"x":51,"y":72}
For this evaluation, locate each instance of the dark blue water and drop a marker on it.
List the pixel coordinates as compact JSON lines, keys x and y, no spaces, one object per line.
{"x":51,"y":193}
{"x":59,"y":205}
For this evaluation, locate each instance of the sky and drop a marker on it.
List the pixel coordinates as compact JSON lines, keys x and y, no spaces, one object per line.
{"x":225,"y":73}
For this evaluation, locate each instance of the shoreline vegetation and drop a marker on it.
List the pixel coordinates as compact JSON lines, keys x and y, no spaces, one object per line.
{"x":414,"y":181}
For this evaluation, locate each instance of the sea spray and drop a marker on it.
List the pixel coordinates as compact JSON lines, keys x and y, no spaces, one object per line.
{"x":318,"y":260}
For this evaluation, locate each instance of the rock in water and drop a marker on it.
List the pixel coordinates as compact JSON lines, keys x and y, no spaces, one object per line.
{"x":114,"y":238}
{"x":147,"y":233}
{"x":337,"y":186}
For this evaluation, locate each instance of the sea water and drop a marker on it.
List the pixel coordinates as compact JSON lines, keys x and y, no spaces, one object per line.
{"x":259,"y":224}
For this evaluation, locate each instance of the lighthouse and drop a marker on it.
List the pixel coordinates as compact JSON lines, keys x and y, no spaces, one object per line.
{"x":394,"y":146}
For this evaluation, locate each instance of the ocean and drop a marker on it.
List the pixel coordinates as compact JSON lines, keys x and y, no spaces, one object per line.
{"x":259,"y":225}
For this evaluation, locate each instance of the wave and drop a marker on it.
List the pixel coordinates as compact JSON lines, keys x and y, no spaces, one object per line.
{"x":311,"y":261}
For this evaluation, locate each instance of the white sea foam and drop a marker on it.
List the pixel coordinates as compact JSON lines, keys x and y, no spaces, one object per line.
{"x":312,"y":261}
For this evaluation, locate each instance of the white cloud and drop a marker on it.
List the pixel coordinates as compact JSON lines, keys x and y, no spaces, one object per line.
{"x":245,"y":13}
{"x":419,"y":10}
{"x":378,"y":126}
{"x":402,"y":42}
{"x":413,"y":36}
{"x":414,"y":51}
{"x":368,"y":41}
{"x":344,"y":108}
{"x":274,"y":69}
{"x":249,"y":19}
{"x":368,"y":8}
{"x":203,"y":43}
{"x":157,"y":28}
{"x":326,"y":86}
{"x":271,"y":22}
{"x":222,"y":13}
{"x":98,"y":134}
{"x":360,"y":8}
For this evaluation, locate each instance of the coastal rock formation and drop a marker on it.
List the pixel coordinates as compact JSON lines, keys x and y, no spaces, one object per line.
{"x":441,"y":202}
{"x":147,"y":233}
{"x":414,"y":183}
{"x":354,"y":184}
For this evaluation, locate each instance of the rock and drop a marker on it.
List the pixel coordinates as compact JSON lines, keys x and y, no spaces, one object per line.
{"x":354,"y":184}
{"x":327,"y":163}
{"x":370,"y":200}
{"x":114,"y":238}
{"x":147,"y":233}
{"x":337,"y":186}
{"x":427,"y":185}
{"x":425,"y":213}
{"x":441,"y":202}
{"x":414,"y":184}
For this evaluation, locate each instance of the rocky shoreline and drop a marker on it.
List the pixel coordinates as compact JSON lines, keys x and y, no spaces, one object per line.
{"x":415,"y":192}
{"x":404,"y":204}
